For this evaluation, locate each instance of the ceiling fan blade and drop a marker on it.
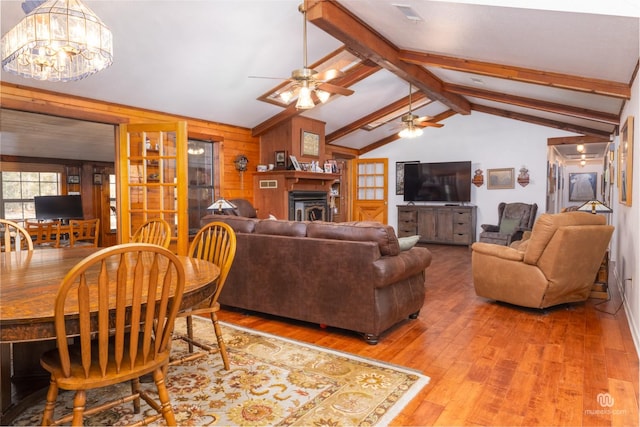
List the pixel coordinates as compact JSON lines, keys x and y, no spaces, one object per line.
{"x":430,"y":124}
{"x":327,"y":75}
{"x":421,"y":119}
{"x":328,"y":87}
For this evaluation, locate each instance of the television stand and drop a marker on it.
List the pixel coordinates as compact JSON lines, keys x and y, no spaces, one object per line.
{"x":448,"y":224}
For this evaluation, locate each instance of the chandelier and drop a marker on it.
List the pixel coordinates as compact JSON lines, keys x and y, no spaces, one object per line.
{"x":60,"y":40}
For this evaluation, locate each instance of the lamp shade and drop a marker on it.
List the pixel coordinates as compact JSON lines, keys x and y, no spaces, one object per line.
{"x":60,"y":40}
{"x":595,"y":206}
{"x":221,"y":204}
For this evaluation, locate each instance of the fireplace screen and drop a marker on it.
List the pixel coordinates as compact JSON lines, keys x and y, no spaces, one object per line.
{"x":308,"y":206}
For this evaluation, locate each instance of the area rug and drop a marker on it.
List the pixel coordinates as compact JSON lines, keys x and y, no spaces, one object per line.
{"x":272,"y":381}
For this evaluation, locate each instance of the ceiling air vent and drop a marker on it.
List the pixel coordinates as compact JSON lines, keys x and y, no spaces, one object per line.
{"x":408,"y":12}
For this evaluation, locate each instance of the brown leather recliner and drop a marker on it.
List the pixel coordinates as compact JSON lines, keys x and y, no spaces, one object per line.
{"x":557,"y":264}
{"x":513,"y":220}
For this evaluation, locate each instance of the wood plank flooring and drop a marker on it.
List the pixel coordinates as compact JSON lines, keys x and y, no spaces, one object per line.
{"x":492,"y":363}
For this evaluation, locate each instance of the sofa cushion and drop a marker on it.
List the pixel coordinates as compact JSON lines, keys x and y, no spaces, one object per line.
{"x":282,"y":228}
{"x":359,"y":231}
{"x":239,"y":224}
{"x":508,"y":225}
{"x":408,"y":242}
{"x":547,"y":225}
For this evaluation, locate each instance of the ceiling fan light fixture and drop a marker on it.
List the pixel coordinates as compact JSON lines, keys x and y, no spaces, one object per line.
{"x":580,"y":148}
{"x":286,"y":96}
{"x":305,"y":101}
{"x":60,"y":40}
{"x":410,"y":131}
{"x":322,"y":95}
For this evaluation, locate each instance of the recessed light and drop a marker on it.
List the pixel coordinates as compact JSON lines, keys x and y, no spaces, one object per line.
{"x":408,"y":12}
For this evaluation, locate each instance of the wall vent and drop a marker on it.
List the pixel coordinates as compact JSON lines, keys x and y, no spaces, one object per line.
{"x":268,"y":183}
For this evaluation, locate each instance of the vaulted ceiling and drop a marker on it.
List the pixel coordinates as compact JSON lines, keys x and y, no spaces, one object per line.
{"x":564,"y":70}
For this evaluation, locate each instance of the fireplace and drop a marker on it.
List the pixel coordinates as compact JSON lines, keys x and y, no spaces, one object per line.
{"x":308,"y":206}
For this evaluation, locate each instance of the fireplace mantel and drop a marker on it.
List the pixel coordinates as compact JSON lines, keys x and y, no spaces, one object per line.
{"x":272,"y":189}
{"x":295,"y":179}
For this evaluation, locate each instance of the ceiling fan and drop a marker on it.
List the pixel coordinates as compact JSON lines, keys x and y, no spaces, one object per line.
{"x":411,"y":127}
{"x":307,"y":83}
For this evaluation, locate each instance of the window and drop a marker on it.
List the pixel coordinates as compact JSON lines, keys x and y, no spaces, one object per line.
{"x":201,"y":181}
{"x":20,"y":187}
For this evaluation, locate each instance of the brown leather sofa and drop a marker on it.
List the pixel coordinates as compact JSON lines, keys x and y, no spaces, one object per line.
{"x":346,"y":275}
{"x":557,"y":264}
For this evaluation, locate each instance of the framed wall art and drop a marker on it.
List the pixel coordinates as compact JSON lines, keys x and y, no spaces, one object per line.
{"x":625,"y":162}
{"x":498,"y":179}
{"x":582,"y":186}
{"x":400,"y":176}
{"x":97,"y":179}
{"x":73,"y":179}
{"x":310,"y":144}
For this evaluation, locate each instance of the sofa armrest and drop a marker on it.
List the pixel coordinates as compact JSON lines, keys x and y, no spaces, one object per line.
{"x":391,"y":269}
{"x":498,"y":251}
{"x":489,"y":227}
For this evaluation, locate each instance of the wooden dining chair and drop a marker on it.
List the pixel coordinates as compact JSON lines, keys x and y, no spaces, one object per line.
{"x":84,"y":232}
{"x":14,"y":237}
{"x":128,"y":336}
{"x":44,"y":233}
{"x":156,"y":231}
{"x":216,"y":243}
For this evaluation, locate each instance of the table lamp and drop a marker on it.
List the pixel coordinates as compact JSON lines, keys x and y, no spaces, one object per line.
{"x":222,"y":204}
{"x":595,"y":206}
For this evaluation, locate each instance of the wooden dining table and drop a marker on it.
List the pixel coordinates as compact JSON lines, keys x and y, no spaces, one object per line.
{"x":29,"y":282}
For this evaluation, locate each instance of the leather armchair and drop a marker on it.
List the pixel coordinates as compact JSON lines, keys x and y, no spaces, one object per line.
{"x":513,"y":220}
{"x":557,"y":264}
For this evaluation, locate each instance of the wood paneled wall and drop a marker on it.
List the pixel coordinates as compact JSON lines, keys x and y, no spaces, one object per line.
{"x":232,"y":140}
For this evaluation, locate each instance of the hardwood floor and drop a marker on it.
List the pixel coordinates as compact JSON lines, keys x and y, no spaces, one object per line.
{"x":492,"y":363}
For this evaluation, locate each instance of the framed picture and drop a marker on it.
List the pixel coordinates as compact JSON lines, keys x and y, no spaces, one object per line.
{"x":625,"y":162}
{"x":582,"y":186}
{"x":310,"y":144}
{"x":400,"y":176}
{"x":295,"y":163}
{"x":499,"y":179}
{"x":280,"y":160}
{"x":97,"y":179}
{"x":73,"y":179}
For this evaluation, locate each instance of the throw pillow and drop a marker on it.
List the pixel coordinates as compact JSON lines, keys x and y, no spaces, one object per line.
{"x":508,"y":225}
{"x":407,"y":243}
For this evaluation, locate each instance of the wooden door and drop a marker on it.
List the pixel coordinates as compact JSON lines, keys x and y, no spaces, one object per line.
{"x":152,"y":179}
{"x":370,"y":190}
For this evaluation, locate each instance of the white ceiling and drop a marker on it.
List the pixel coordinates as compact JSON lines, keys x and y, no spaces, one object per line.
{"x":194,"y":58}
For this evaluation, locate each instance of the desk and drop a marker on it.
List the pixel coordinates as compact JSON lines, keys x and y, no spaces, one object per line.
{"x":30,"y":281}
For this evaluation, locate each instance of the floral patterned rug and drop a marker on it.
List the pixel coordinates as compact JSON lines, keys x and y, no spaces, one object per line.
{"x":272,"y":381}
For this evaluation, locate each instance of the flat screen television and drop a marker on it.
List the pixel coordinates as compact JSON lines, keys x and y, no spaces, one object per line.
{"x":437,"y":182}
{"x":58,"y":207}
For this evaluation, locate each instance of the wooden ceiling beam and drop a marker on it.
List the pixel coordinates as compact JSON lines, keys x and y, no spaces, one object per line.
{"x":540,"y":121}
{"x":376,"y":115}
{"x":573,"y":140}
{"x":364,"y":42}
{"x":520,"y":74}
{"x":550,"y":107}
